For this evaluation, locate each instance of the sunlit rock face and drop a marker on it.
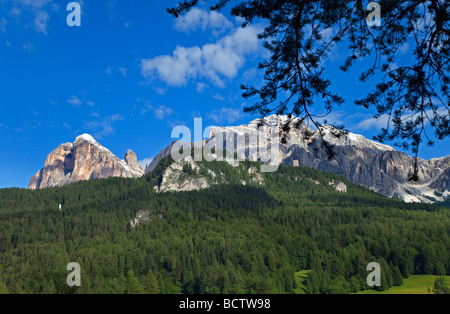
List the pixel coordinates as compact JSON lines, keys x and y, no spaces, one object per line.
{"x":84,"y":160}
{"x":364,"y":162}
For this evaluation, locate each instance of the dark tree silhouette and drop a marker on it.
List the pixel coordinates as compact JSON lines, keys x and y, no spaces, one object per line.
{"x":412,"y":96}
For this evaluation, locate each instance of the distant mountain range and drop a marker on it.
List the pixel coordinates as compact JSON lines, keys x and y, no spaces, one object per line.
{"x":378,"y":167}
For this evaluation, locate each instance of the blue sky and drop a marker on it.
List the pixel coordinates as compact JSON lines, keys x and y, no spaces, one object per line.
{"x":127,"y":76}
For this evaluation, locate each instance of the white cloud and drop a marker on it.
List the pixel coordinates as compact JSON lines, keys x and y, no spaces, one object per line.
{"x":74,"y":101}
{"x":146,"y":161}
{"x":28,"y":46}
{"x":40,"y":21}
{"x":56,"y":7}
{"x":337,"y":117}
{"x":160,"y":112}
{"x":123,"y":71}
{"x":202,"y":19}
{"x":15,"y":12}
{"x":354,"y":122}
{"x":250,"y":75}
{"x":108,"y":71}
{"x":103,"y":128}
{"x":111,"y":7}
{"x":327,"y":34}
{"x":200,"y":87}
{"x":90,"y":103}
{"x":215,"y":62}
{"x":159,"y":90}
{"x":37,"y":8}
{"x":404,"y":48}
{"x":372,"y":123}
{"x":382,"y":122}
{"x":3,"y":23}
{"x":175,"y":70}
{"x":218,"y":97}
{"x":147,"y":107}
{"x":35,"y":4}
{"x":225,"y":115}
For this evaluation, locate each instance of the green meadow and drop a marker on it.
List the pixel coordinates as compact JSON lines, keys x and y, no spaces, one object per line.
{"x":415,"y":284}
{"x":301,"y":277}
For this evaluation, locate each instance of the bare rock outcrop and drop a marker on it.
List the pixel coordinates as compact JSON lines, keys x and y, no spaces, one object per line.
{"x":176,"y":180}
{"x":84,"y":160}
{"x":339,"y":186}
{"x":144,"y":216}
{"x":376,"y":166}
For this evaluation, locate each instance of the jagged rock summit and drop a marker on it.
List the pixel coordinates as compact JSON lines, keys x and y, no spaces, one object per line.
{"x":85,"y":159}
{"x":364,"y":162}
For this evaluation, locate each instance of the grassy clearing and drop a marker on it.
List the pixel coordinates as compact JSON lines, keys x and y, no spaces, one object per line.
{"x":300,"y":278}
{"x":416,"y":284}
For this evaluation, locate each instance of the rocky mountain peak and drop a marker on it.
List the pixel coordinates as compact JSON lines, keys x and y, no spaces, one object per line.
{"x":130,"y":157}
{"x":86,"y":137}
{"x":85,"y":159}
{"x":348,"y":139}
{"x":364,"y":162}
{"x":132,"y":162}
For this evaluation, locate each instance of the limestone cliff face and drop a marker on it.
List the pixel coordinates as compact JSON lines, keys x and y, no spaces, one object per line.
{"x":175,"y":180}
{"x":187,"y":175}
{"x":58,"y":166}
{"x":364,"y":162}
{"x":84,"y":160}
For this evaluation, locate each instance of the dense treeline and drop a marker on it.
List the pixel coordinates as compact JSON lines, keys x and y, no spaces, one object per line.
{"x":441,"y":286}
{"x":230,"y":238}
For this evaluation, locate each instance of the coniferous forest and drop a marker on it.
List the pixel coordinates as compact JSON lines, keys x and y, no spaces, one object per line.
{"x":230,"y":238}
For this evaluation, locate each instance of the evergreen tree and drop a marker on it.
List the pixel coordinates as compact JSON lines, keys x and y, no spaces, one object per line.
{"x":354,"y":285}
{"x":151,"y":285}
{"x":133,"y":286}
{"x":386,"y":276}
{"x":441,"y":286}
{"x":225,"y":239}
{"x":440,"y":270}
{"x":397,"y":279}
{"x":13,"y":288}
{"x":3,"y":289}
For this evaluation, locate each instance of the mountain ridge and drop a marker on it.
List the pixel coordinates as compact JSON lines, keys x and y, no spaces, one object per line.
{"x":373,"y":165}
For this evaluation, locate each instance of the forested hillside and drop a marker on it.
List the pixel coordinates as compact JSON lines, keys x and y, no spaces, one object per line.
{"x":239,"y":236}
